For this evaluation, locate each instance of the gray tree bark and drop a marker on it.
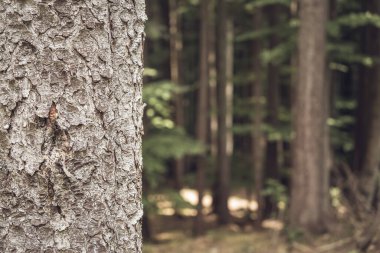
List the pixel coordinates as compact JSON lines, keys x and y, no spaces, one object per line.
{"x":202,"y":132}
{"x":258,"y":142}
{"x":71,"y":125}
{"x":223,"y":157}
{"x":309,"y":175}
{"x":175,"y":76}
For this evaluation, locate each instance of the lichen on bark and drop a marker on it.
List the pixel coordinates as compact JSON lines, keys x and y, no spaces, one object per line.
{"x":71,"y":125}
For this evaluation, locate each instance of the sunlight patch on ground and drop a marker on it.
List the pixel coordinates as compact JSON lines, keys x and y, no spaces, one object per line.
{"x":235,"y":203}
{"x":191,"y":196}
{"x":273,"y":224}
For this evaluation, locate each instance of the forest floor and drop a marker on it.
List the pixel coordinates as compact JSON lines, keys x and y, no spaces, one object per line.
{"x":172,"y":234}
{"x":175,"y":237}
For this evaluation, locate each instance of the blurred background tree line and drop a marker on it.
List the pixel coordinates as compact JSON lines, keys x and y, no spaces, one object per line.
{"x":277,"y":101}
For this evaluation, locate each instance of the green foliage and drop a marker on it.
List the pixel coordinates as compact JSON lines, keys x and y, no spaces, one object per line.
{"x":175,"y":142}
{"x":277,"y":192}
{"x":342,"y":139}
{"x":262,"y":3}
{"x":158,"y":97}
{"x":166,"y":144}
{"x":279,"y":30}
{"x":347,"y":52}
{"x":280,"y":53}
{"x":155,"y":31}
{"x":164,"y":141}
{"x":352,"y":20}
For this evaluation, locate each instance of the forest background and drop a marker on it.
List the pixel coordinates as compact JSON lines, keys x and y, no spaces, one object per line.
{"x":268,"y":111}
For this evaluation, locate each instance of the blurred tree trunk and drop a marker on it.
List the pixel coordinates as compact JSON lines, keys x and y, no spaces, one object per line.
{"x":147,"y":229}
{"x":213,"y":100}
{"x":223,"y":159}
{"x":294,"y":14}
{"x":308,"y":195}
{"x":230,"y":88}
{"x":71,"y":125}
{"x":202,"y":110}
{"x":213,"y":124}
{"x":329,"y":95}
{"x":363,"y":98}
{"x":367,"y":132}
{"x":257,"y":137}
{"x":273,"y":105}
{"x":175,"y":74}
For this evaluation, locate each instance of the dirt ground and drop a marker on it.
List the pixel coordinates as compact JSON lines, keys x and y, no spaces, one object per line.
{"x":173,"y":235}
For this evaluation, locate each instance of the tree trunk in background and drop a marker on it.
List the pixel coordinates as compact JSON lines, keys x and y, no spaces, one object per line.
{"x":329,"y":95}
{"x":308,"y":194}
{"x":202,"y":111}
{"x":212,"y":86}
{"x":368,"y":150}
{"x":273,"y":105}
{"x":229,"y":90}
{"x":175,"y":63}
{"x":223,"y":160}
{"x":257,"y":137}
{"x":294,"y":14}
{"x":363,"y":98}
{"x":71,"y":124}
{"x":213,"y":97}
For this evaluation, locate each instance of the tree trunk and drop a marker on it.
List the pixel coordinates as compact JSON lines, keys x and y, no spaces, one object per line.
{"x":71,"y":125}
{"x":257,"y":137}
{"x":223,"y":160}
{"x":202,"y":113}
{"x":273,"y":105}
{"x":229,"y":90}
{"x":175,"y":62}
{"x":363,"y":97}
{"x":213,"y":103}
{"x":212,"y":85}
{"x":368,"y":149}
{"x":308,"y":194}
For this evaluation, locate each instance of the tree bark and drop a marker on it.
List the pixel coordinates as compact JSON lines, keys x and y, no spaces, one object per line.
{"x":175,"y":63}
{"x":308,"y":194}
{"x":257,"y":137}
{"x":202,"y":111}
{"x":71,"y":125}
{"x":212,"y":85}
{"x":273,"y":105}
{"x":223,"y":160}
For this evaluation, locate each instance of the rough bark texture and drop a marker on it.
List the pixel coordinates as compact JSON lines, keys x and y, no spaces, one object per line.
{"x":70,"y":125}
{"x":308,"y":175}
